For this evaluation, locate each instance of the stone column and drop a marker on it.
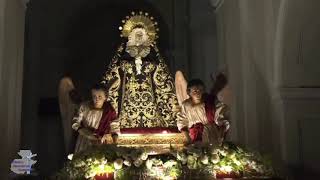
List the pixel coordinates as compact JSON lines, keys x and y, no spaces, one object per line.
{"x":11,"y":74}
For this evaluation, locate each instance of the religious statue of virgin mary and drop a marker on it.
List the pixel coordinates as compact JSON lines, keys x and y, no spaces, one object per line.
{"x":141,"y":89}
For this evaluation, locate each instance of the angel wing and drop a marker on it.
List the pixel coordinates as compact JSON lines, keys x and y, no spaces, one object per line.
{"x":67,"y":109}
{"x":181,"y":87}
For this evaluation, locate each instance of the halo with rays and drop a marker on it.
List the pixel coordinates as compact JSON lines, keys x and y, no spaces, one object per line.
{"x":141,"y":19}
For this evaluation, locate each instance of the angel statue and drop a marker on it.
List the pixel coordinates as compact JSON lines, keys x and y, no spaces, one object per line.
{"x":85,"y":122}
{"x":142,"y":90}
{"x":203,"y":118}
{"x":69,"y":102}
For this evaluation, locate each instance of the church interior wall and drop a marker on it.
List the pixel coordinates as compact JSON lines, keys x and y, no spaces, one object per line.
{"x":269,"y":49}
{"x":299,"y":84}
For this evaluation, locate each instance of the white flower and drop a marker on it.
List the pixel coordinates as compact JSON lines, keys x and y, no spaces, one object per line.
{"x":149,"y":164}
{"x":144,"y":156}
{"x":192,"y":162}
{"x":118,"y":163}
{"x":197,"y":154}
{"x":101,"y":167}
{"x":80,"y":164}
{"x":226,"y":169}
{"x":260,"y":169}
{"x":157,"y":162}
{"x":246,"y":161}
{"x":225,"y":146}
{"x":253,"y":165}
{"x":214,"y":174}
{"x":96,"y":162}
{"x":215,"y":158}
{"x":205,"y":159}
{"x":138,"y":162}
{"x":238,"y":163}
{"x":191,"y":159}
{"x":104,"y":162}
{"x":169,"y":164}
{"x":70,"y":156}
{"x":232,"y":155}
{"x":182,"y":157}
{"x":90,"y":174}
{"x":214,"y":151}
{"x":223,"y":153}
{"x":87,"y":175}
{"x":127,"y":163}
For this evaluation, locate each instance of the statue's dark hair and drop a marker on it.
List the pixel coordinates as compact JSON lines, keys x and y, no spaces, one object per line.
{"x":99,"y":86}
{"x":194,"y":82}
{"x":138,"y":26}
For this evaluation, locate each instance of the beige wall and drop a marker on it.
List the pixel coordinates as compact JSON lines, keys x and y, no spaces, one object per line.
{"x":11,"y":66}
{"x":246,"y":31}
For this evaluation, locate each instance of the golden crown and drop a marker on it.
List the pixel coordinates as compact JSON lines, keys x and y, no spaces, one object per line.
{"x":143,"y":20}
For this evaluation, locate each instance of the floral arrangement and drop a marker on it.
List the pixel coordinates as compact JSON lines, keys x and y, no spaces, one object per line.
{"x":100,"y":160}
{"x":227,"y":160}
{"x":163,"y":167}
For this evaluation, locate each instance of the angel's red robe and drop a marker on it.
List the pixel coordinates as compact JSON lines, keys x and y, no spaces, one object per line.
{"x":108,"y":116}
{"x":202,"y":121}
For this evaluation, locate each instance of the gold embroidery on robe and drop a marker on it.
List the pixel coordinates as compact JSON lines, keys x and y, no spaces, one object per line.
{"x":144,"y":100}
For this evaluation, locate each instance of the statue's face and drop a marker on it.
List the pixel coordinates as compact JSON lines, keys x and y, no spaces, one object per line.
{"x":138,"y":37}
{"x":196,"y":93}
{"x":98,"y":98}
